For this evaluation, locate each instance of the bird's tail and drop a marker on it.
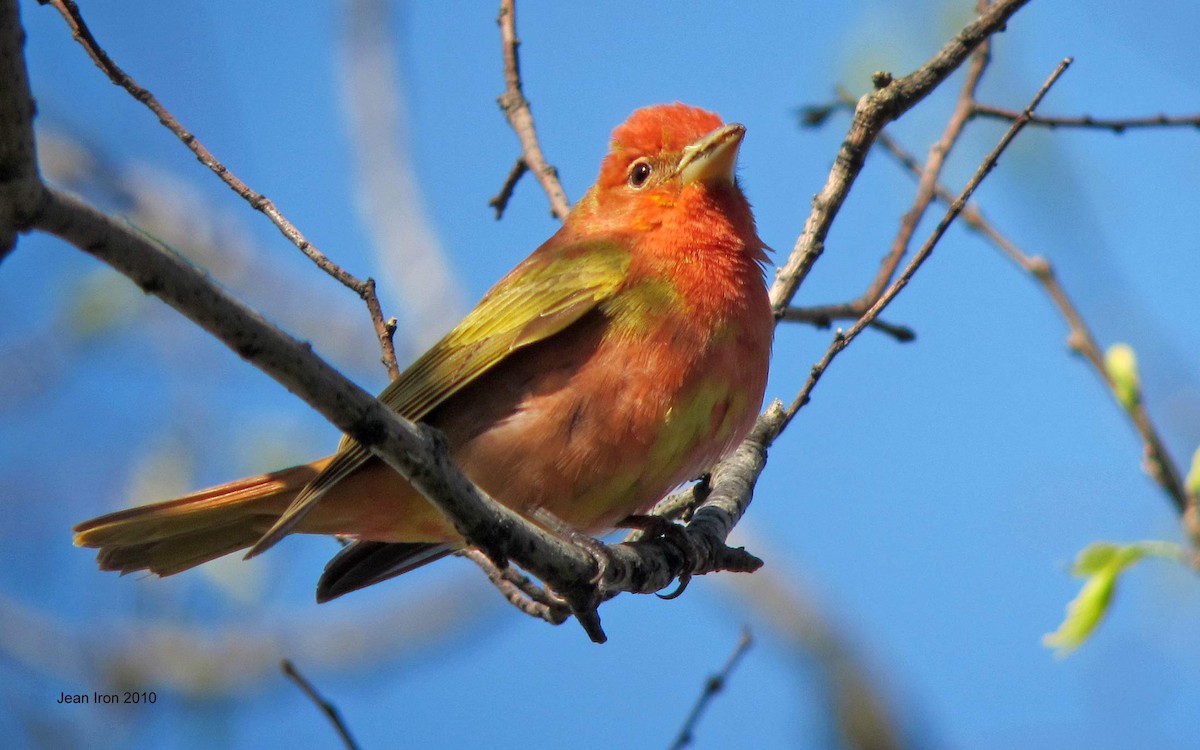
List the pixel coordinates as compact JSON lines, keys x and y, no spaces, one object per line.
{"x":169,"y":537}
{"x":366,"y":563}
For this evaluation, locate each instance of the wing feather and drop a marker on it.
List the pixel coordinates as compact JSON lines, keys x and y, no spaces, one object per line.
{"x":541,"y":297}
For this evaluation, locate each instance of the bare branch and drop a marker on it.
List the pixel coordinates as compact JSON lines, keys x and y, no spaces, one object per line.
{"x":713,"y":685}
{"x":363,"y":288}
{"x":20,"y":185}
{"x":1116,"y":124}
{"x":500,"y":200}
{"x":926,"y":182}
{"x":516,"y":110}
{"x":929,"y":176}
{"x":1080,"y":338}
{"x":823,"y":316}
{"x":874,"y":111}
{"x":841,"y":340}
{"x":331,"y":712}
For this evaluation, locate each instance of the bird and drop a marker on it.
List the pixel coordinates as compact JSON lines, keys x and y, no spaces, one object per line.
{"x":624,"y":357}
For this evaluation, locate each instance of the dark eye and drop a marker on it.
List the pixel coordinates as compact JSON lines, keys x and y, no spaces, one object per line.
{"x":639,"y":173}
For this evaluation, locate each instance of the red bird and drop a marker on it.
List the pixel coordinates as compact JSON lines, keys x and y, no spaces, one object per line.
{"x":625,"y":356}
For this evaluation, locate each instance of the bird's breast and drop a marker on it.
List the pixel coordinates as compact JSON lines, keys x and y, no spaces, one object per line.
{"x":599,"y":422}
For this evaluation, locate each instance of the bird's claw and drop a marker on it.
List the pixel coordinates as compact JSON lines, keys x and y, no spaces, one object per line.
{"x":654,"y":527}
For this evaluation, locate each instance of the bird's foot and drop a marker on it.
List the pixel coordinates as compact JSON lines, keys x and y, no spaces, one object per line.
{"x":658,"y":527}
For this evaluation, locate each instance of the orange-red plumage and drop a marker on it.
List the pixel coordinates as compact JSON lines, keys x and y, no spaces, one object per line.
{"x":626,"y":355}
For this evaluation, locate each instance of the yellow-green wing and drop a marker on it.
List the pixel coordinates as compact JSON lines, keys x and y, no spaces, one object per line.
{"x":541,"y":297}
{"x":538,"y":299}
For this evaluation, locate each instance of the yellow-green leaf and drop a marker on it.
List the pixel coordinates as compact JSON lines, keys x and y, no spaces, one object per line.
{"x":1101,"y":563}
{"x":1192,"y":483}
{"x":1121,"y":364}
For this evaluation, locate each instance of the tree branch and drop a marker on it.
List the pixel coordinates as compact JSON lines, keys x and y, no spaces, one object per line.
{"x":363,"y":288}
{"x":500,"y":200}
{"x":822,"y":316}
{"x":927,"y":180}
{"x":1116,"y":124}
{"x":891,"y":99}
{"x":331,"y":712}
{"x":516,"y":110}
{"x":842,"y":340}
{"x":417,"y":452}
{"x":1161,"y":467}
{"x":938,"y":153}
{"x":20,"y":184}
{"x":713,"y":685}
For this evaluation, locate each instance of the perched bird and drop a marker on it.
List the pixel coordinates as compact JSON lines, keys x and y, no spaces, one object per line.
{"x":623,"y":357}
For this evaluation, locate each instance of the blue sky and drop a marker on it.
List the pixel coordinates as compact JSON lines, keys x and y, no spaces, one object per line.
{"x":928,"y":501}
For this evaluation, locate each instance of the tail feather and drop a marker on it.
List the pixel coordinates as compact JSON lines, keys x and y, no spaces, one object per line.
{"x":166,"y":557}
{"x":170,"y":537}
{"x":363,"y":564}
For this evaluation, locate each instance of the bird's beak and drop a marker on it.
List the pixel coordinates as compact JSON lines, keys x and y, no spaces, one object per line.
{"x":712,"y":158}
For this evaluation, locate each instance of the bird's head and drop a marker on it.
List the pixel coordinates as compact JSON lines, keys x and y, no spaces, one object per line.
{"x":665,"y":159}
{"x":670,"y":146}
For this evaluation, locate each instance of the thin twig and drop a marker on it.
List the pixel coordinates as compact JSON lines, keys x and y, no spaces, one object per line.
{"x":363,"y":288}
{"x":1116,"y":124}
{"x":331,"y":712}
{"x":500,"y":200}
{"x":712,"y":686}
{"x":938,"y":152}
{"x":890,"y":100}
{"x":842,"y":339}
{"x":516,"y":110}
{"x":824,"y":315}
{"x":1161,"y":467}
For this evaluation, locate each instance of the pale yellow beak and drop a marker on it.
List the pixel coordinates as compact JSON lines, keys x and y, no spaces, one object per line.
{"x":713,"y":157}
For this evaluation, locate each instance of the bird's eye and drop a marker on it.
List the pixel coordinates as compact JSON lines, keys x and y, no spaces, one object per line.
{"x":639,"y":173}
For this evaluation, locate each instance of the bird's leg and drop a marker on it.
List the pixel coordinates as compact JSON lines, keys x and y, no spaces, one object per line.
{"x":584,"y":599}
{"x":597,"y":548}
{"x":519,"y":590}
